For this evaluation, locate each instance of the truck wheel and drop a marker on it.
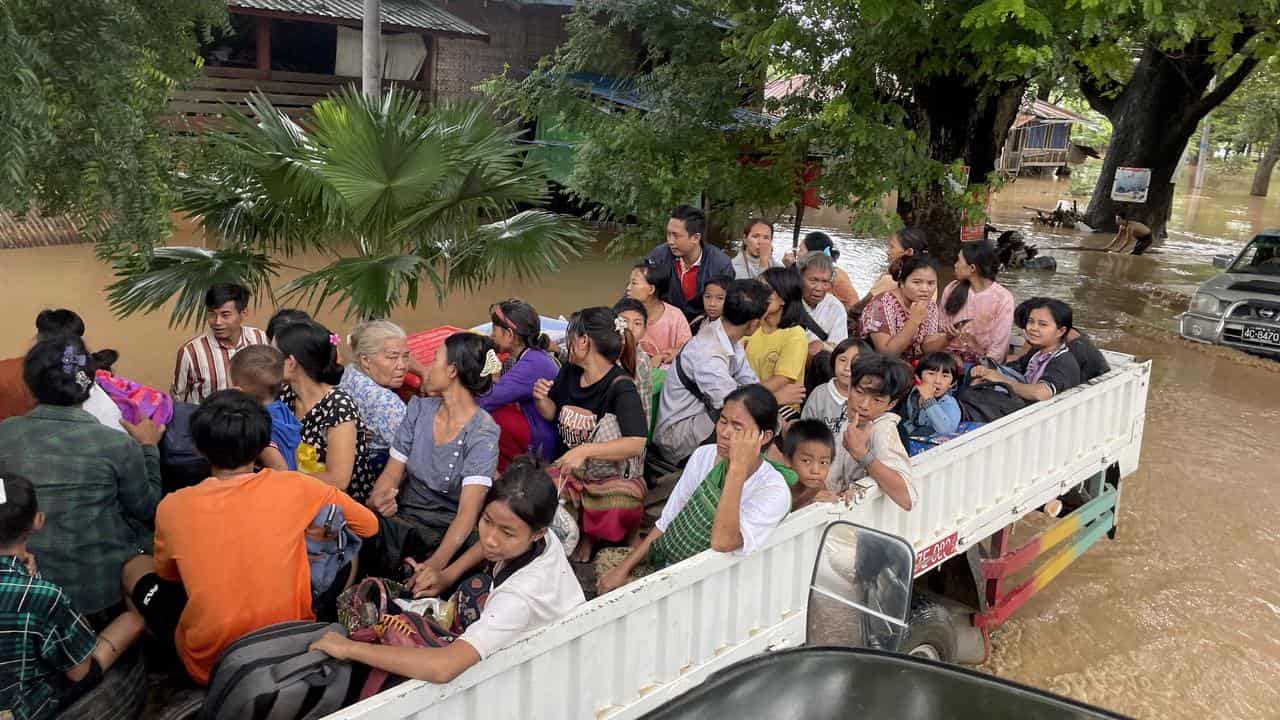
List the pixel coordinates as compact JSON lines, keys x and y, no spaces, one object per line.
{"x":931,"y":634}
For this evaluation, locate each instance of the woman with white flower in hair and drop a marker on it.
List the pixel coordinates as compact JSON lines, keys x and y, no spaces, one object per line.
{"x":597,"y":409}
{"x":448,"y":448}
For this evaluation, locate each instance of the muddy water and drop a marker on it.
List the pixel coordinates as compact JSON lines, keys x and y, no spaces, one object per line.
{"x":1176,"y":619}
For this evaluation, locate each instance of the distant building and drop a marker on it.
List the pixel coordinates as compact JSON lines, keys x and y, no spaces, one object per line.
{"x":1040,"y":138}
{"x":299,"y":51}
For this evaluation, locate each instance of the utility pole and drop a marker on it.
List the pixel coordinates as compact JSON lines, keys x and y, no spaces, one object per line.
{"x":1202,"y":160}
{"x":371,"y":49}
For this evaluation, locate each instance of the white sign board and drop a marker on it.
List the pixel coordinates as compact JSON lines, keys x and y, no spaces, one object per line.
{"x":1131,"y":185}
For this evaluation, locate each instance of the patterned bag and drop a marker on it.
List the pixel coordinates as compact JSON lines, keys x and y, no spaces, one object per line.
{"x":362,"y":606}
{"x":404,"y":629}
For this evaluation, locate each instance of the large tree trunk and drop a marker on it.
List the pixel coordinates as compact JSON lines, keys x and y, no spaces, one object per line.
{"x":1153,"y":119}
{"x":1262,"y":176}
{"x":961,"y":123}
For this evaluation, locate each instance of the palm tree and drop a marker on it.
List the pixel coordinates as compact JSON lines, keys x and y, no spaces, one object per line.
{"x":392,"y":192}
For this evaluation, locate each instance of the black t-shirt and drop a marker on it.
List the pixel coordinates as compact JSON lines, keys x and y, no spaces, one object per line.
{"x":1061,"y":374}
{"x":614,"y":394}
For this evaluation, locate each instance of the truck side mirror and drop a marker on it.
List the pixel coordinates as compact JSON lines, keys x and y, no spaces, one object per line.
{"x":860,"y":595}
{"x":1222,"y":261}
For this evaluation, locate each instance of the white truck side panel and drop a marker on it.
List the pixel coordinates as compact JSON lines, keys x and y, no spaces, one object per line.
{"x":627,"y":652}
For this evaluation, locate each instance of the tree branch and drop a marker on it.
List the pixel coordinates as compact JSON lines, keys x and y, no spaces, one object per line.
{"x":1094,"y":93}
{"x":1223,"y":90}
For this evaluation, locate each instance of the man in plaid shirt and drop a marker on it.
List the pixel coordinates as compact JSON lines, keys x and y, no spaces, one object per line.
{"x":99,"y":488}
{"x":48,"y":653}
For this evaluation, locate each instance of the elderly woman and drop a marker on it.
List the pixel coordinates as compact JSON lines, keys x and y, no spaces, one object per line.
{"x":378,"y":363}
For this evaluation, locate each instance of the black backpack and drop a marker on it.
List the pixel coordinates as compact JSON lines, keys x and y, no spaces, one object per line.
{"x":270,"y":674}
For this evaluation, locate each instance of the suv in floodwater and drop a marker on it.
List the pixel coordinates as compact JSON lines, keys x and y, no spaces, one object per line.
{"x":1241,"y":307}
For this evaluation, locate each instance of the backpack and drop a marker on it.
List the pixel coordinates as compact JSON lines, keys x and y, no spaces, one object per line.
{"x":270,"y":673}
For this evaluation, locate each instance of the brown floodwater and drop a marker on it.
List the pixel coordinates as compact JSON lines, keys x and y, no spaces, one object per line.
{"x":1177,"y":618}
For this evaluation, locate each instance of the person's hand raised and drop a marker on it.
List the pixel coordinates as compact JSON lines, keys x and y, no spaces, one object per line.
{"x":145,"y":432}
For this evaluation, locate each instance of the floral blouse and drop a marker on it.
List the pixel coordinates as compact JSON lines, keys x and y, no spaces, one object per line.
{"x":380,"y":408}
{"x":333,"y":410}
{"x":886,"y":314}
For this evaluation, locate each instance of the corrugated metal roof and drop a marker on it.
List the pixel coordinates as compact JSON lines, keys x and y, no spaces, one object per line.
{"x":622,"y":91}
{"x":405,"y":13}
{"x":1047,"y":114}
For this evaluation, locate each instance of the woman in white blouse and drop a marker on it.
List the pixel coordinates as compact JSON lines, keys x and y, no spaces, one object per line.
{"x":517,"y":561}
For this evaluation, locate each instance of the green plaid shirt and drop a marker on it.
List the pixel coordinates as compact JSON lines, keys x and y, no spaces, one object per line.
{"x":98,"y":489}
{"x":41,"y":638}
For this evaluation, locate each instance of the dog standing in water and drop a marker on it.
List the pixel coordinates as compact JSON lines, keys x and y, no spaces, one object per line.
{"x":1130,"y":231}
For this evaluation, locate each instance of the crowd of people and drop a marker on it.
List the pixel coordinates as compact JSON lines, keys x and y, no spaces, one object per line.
{"x":762,"y":385}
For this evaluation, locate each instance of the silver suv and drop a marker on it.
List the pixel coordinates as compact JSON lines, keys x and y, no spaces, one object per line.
{"x":1241,"y":307}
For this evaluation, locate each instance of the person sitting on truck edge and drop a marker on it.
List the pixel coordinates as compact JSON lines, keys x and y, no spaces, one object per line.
{"x":810,"y":449}
{"x":712,"y":303}
{"x":1092,"y":362}
{"x":525,"y":574}
{"x":50,"y":654}
{"x":1049,"y":367}
{"x":711,"y":365}
{"x":230,"y":553}
{"x":728,"y":499}
{"x":870,"y":446}
{"x":930,"y":407}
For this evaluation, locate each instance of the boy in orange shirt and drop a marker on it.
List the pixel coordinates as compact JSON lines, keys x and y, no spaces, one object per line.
{"x":230,"y":553}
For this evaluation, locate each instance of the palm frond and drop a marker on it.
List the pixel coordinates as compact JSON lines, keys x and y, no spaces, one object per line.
{"x":528,"y":244}
{"x":182,"y":274}
{"x":370,"y":287}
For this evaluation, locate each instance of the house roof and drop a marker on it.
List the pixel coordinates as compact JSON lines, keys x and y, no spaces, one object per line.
{"x":622,"y":91}
{"x":413,"y":14}
{"x":1044,"y":113}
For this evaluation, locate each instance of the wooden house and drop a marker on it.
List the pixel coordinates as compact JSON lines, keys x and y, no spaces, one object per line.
{"x":1040,"y":138}
{"x":299,"y":51}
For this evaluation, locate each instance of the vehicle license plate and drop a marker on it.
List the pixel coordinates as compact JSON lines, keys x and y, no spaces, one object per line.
{"x":936,"y":553}
{"x":1266,"y":336}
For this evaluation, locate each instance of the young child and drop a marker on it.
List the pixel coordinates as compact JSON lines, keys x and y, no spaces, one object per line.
{"x":827,"y":403}
{"x":712,"y":303}
{"x":930,"y":407}
{"x":230,"y":556}
{"x":869,"y":444}
{"x":810,"y":449}
{"x":50,"y":656}
{"x":258,"y":370}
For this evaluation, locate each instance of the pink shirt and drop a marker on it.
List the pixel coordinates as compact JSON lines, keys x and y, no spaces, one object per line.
{"x":991,"y":319}
{"x":669,"y":332}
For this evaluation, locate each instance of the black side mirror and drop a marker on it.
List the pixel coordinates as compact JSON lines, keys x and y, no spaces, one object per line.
{"x":860,"y":595}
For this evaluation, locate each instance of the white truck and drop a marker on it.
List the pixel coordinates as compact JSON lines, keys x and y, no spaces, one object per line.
{"x":631,"y":650}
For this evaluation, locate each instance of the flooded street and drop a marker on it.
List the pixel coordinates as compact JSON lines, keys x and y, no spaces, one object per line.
{"x":1177,"y":618}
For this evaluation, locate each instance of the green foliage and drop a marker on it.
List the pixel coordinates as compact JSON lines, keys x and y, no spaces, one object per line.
{"x":434,"y":195}
{"x":861,"y":72}
{"x":1251,"y":116}
{"x":81,"y":86}
{"x":687,"y":142}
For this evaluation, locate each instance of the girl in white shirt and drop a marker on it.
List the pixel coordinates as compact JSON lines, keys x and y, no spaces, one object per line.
{"x":530,"y":579}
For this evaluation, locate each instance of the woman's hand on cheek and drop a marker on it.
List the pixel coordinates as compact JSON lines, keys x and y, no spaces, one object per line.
{"x":744,"y":447}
